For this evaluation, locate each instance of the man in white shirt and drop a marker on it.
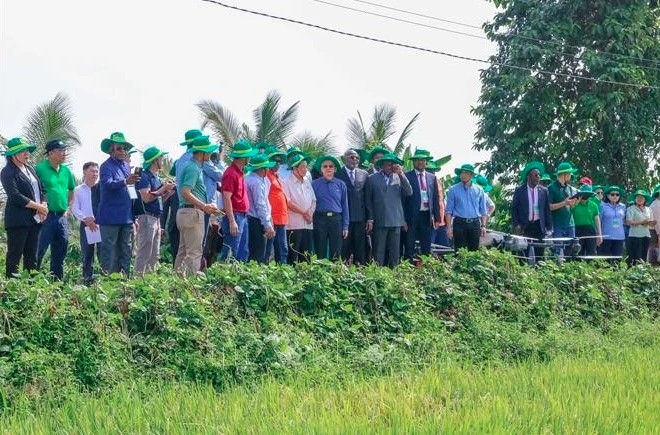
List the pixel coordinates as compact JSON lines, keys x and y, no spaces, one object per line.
{"x":84,"y":208}
{"x":654,"y":246}
{"x":301,"y":202}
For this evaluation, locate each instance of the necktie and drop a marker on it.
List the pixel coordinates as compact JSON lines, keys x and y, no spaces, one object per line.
{"x":533,"y":205}
{"x":422,"y":185}
{"x":351,"y":175}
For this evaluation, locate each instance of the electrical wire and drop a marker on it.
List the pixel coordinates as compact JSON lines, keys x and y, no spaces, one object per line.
{"x":427,"y":50}
{"x":458,"y":23}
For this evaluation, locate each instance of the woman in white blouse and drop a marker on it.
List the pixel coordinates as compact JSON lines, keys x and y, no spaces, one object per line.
{"x":640,"y":219}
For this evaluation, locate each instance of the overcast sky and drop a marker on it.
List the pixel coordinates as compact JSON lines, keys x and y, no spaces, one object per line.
{"x":139,"y":66}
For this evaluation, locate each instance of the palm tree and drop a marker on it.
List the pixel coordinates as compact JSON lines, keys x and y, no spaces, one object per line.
{"x":272,"y":125}
{"x":381,"y":129}
{"x":315,"y":146}
{"x":51,"y":120}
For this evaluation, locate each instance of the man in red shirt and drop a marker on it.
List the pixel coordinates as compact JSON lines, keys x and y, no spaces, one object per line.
{"x":236,"y":203}
{"x":277,"y":246}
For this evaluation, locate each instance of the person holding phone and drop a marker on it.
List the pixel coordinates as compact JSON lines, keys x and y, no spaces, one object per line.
{"x":562,"y":200}
{"x":115,"y":206}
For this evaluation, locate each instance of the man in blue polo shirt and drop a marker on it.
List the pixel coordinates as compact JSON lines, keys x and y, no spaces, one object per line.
{"x":115,"y":206}
{"x":466,"y":214}
{"x":331,"y":216}
{"x":59,"y":184}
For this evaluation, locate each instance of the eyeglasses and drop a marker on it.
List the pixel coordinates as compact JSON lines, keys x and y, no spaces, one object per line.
{"x":328,"y":167}
{"x":599,"y":193}
{"x":352,"y":157}
{"x":614,"y":194}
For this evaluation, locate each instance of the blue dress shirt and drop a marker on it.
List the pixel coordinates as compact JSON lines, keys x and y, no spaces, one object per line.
{"x":332,"y":196}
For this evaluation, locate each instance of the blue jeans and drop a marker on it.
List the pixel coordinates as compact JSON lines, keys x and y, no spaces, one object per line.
{"x":558,"y":231}
{"x":116,"y":247}
{"x":54,"y":233}
{"x":279,"y":245}
{"x":235,"y":246}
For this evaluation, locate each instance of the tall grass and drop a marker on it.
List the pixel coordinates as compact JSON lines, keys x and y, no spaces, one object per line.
{"x":617,"y":391}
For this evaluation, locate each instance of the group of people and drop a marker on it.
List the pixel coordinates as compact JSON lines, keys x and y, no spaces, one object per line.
{"x":271,"y":205}
{"x":605,"y":222}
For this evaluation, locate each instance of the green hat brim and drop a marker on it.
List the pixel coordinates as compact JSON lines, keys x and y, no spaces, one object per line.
{"x":277,"y":154}
{"x":458,"y":171}
{"x":571,"y":171}
{"x":531,"y":166}
{"x":107,"y":143}
{"x":17,"y":149}
{"x":265,"y":165}
{"x":253,"y":152}
{"x":206,"y":149}
{"x":428,"y":158}
{"x":611,"y":189}
{"x":298,"y":159}
{"x":377,"y":150}
{"x":388,"y":157}
{"x":148,"y":163}
{"x":319,"y":161}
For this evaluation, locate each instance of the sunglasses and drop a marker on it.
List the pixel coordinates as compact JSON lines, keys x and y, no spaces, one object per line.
{"x":614,"y":194}
{"x":353,"y":157}
{"x":328,"y":167}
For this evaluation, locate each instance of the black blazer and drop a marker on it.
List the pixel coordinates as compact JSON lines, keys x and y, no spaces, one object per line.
{"x":520,"y":209}
{"x":356,"y":200}
{"x":19,"y":192}
{"x":411,"y":203}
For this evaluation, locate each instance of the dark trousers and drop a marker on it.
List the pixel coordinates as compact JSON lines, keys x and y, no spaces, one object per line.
{"x":278,"y":246}
{"x":21,"y":243}
{"x":587,"y":246}
{"x":467,"y":233}
{"x":356,"y":243}
{"x":533,"y":231}
{"x":638,"y":249}
{"x":54,"y":234}
{"x":611,"y":247}
{"x":87,"y":251}
{"x":387,"y":245}
{"x":256,"y":240}
{"x":327,"y":234}
{"x":440,"y":236}
{"x":419,"y":228}
{"x":300,"y":245}
{"x":115,"y":250}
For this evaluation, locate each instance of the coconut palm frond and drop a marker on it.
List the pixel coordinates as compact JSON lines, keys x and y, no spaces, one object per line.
{"x":267,"y":118}
{"x":383,"y":124}
{"x":51,"y":120}
{"x":404,"y":134}
{"x":315,"y":146}
{"x":405,"y":156}
{"x":287,"y":123}
{"x":356,"y":134}
{"x":223,"y":124}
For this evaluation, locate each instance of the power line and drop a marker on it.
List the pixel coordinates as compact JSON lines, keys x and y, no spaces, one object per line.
{"x":426,"y":50}
{"x":458,"y":23}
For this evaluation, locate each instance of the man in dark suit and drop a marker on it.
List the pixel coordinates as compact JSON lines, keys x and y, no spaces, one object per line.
{"x":530,"y":207}
{"x":355,"y":179}
{"x":422,"y":208}
{"x":384,"y":193}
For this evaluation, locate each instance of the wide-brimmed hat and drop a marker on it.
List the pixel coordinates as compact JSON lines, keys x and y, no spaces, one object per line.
{"x":297,"y":159}
{"x":421,"y":155}
{"x":243,"y":150}
{"x":642,"y":192}
{"x":150,"y":155}
{"x":190,"y":135}
{"x":388,"y":157}
{"x":18,"y":144}
{"x":595,"y":187}
{"x":565,"y":168}
{"x":378,"y":149}
{"x":292,"y":151}
{"x":272,"y":151}
{"x":55,"y":144}
{"x":483,"y":182}
{"x":531,"y":166}
{"x":613,"y":188}
{"x":432,"y":167}
{"x":203,"y":144}
{"x":585,"y":191}
{"x":546,"y":177}
{"x":656,"y":191}
{"x":319,"y":162}
{"x":586,"y":180}
{"x":118,"y":138}
{"x":466,"y":167}
{"x":363,"y":154}
{"x":260,"y":161}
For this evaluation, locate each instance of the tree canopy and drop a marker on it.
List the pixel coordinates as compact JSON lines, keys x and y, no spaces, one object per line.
{"x":575,"y":80}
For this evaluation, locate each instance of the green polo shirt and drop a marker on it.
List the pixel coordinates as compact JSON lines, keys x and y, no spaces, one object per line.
{"x":584,"y":214}
{"x":191,"y":177}
{"x":57,"y":185}
{"x":562,"y":217}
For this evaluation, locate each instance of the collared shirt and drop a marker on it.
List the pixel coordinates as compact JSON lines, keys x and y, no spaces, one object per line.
{"x":116,"y":206}
{"x":612,"y":218}
{"x":301,"y":193}
{"x":332,"y":196}
{"x":234,"y":182}
{"x":634,"y":213}
{"x":212,"y":176}
{"x":181,"y":162}
{"x":557,"y":192}
{"x":277,"y":199}
{"x":423,"y":190}
{"x":150,"y":181}
{"x":82,"y":206}
{"x":257,"y":189}
{"x":57,"y":185}
{"x":191,"y":178}
{"x":466,"y":202}
{"x":534,"y":212}
{"x":584,"y":214}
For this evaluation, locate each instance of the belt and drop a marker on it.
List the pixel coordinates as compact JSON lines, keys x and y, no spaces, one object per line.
{"x":57,"y":213}
{"x":240,"y":213}
{"x":186,"y":206}
{"x":326,"y":213}
{"x":148,"y":213}
{"x":465,"y":220}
